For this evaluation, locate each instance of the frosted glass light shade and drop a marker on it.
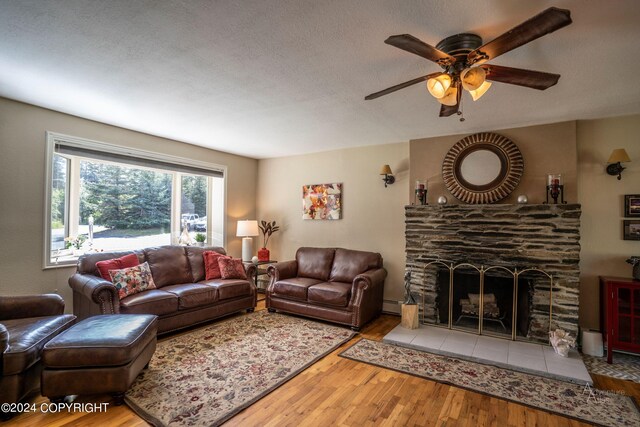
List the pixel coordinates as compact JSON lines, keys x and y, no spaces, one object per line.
{"x":450,"y":98}
{"x":476,"y":94}
{"x":438,"y":86}
{"x":473,"y":78}
{"x":247,"y":228}
{"x":619,"y":155}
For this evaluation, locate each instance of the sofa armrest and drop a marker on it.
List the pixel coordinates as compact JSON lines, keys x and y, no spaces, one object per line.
{"x":20,"y":307}
{"x":282,"y":270}
{"x":250,"y":269}
{"x":97,"y":290}
{"x":4,"y":338}
{"x":367,"y":282}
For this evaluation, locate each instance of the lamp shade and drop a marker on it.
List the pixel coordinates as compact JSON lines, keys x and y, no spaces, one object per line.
{"x":437,"y":86}
{"x":386,"y":170}
{"x":619,"y":155}
{"x":450,"y":98}
{"x":473,"y":78}
{"x":476,"y":94}
{"x":247,"y":228}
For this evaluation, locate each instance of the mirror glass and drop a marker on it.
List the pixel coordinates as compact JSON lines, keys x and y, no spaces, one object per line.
{"x":480,"y":167}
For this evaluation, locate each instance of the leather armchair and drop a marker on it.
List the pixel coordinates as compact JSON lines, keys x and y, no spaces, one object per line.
{"x":333,"y":284}
{"x":27,"y":323}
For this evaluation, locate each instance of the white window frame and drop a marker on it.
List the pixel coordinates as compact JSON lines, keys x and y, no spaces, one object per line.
{"x":53,"y":137}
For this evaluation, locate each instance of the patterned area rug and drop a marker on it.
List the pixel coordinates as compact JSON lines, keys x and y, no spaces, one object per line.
{"x":204,"y":377}
{"x":570,"y":400}
{"x":624,"y":366}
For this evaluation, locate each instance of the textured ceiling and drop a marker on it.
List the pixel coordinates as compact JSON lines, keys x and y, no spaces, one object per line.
{"x":267,"y":78}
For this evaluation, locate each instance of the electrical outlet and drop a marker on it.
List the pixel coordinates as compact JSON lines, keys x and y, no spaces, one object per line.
{"x":55,"y":291}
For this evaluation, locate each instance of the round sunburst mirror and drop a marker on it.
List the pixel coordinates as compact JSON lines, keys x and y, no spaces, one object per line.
{"x":482,"y":168}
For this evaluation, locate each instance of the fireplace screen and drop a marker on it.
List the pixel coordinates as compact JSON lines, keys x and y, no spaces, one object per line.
{"x":493,"y":301}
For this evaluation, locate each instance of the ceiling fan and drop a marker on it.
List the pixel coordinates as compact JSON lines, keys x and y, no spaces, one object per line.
{"x":463,"y":58}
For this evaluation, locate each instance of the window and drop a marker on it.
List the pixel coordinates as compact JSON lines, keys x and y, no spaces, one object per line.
{"x":102,"y":197}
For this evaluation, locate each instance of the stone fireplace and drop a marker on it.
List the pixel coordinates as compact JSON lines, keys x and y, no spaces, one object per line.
{"x":518,"y":262}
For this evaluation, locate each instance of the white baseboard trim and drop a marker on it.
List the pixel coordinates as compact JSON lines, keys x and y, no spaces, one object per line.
{"x":390,"y":307}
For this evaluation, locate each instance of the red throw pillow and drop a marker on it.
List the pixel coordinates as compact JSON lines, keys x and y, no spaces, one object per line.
{"x":211,"y":267}
{"x":231,"y":268}
{"x":126,"y":261}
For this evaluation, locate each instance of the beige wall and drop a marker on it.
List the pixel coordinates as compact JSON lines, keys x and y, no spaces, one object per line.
{"x":373,"y":216}
{"x":545,"y":149}
{"x":22,"y":165}
{"x":602,"y":197}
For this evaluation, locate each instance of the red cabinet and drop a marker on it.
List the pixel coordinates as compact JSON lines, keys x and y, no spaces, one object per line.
{"x":620,"y":314}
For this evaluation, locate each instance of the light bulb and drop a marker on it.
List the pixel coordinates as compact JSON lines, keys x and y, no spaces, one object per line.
{"x":476,"y":94}
{"x":473,"y":78}
{"x":438,"y":86}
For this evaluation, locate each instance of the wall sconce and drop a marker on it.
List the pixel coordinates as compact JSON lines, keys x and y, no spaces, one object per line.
{"x":619,"y":155}
{"x":388,"y":175}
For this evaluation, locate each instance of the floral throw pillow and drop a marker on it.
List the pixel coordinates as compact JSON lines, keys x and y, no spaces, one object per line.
{"x":211,"y":267}
{"x":132,"y":280}
{"x":231,"y":268}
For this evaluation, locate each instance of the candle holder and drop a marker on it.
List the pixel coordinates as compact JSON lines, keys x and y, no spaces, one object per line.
{"x":555,"y":188}
{"x":421,"y":193}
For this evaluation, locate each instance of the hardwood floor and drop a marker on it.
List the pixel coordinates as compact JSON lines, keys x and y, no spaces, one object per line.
{"x":337,"y":391}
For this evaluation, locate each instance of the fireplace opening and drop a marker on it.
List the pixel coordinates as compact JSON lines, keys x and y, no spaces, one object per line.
{"x":462,"y":311}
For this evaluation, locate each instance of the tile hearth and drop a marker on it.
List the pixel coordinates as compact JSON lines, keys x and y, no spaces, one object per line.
{"x":527,"y":357}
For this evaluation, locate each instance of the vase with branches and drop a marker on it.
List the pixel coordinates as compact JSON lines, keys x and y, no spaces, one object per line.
{"x":267,"y":228}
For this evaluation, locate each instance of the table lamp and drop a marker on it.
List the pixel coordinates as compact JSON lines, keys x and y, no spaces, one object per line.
{"x":247,"y":229}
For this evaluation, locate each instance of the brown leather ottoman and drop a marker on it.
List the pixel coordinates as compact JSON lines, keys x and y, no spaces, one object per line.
{"x":101,"y":354}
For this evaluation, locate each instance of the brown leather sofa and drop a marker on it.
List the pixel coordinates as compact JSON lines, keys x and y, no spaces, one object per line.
{"x":334,"y":284}
{"x":183,"y":297}
{"x":27,"y":323}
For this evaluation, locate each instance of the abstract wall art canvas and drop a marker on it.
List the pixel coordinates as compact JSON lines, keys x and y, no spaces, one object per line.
{"x":322,"y":201}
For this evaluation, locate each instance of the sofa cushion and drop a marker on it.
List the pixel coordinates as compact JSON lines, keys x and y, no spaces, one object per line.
{"x":347,"y":264}
{"x":315,"y":263}
{"x":230,"y":288}
{"x":294,"y":288}
{"x":169,"y":265}
{"x":330,"y":293}
{"x":154,"y":301}
{"x":196,"y":260}
{"x":27,"y":337}
{"x":129,"y":260}
{"x":87,"y":263}
{"x":132,"y":280}
{"x":211,"y":265}
{"x":192,"y":295}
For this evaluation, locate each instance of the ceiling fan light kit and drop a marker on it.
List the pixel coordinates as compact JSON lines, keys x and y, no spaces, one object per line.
{"x":437,"y":86}
{"x":462,"y":58}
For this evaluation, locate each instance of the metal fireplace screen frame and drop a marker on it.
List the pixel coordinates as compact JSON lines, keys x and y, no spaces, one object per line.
{"x":482,"y":271}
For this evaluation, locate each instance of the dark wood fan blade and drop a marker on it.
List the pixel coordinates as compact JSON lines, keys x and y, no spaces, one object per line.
{"x":401,"y":86}
{"x":448,"y":110}
{"x":543,"y":23}
{"x":418,"y":47}
{"x":517,"y":76}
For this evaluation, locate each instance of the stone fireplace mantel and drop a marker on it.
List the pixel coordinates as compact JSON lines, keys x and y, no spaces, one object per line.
{"x":546,"y":237}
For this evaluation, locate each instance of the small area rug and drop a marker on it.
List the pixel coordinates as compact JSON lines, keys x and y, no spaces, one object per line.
{"x":567,"y":399}
{"x":624,"y":366}
{"x":204,"y":377}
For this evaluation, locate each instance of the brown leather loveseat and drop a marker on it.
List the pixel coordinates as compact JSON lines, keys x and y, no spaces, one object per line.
{"x":334,"y":284}
{"x":183,"y":297}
